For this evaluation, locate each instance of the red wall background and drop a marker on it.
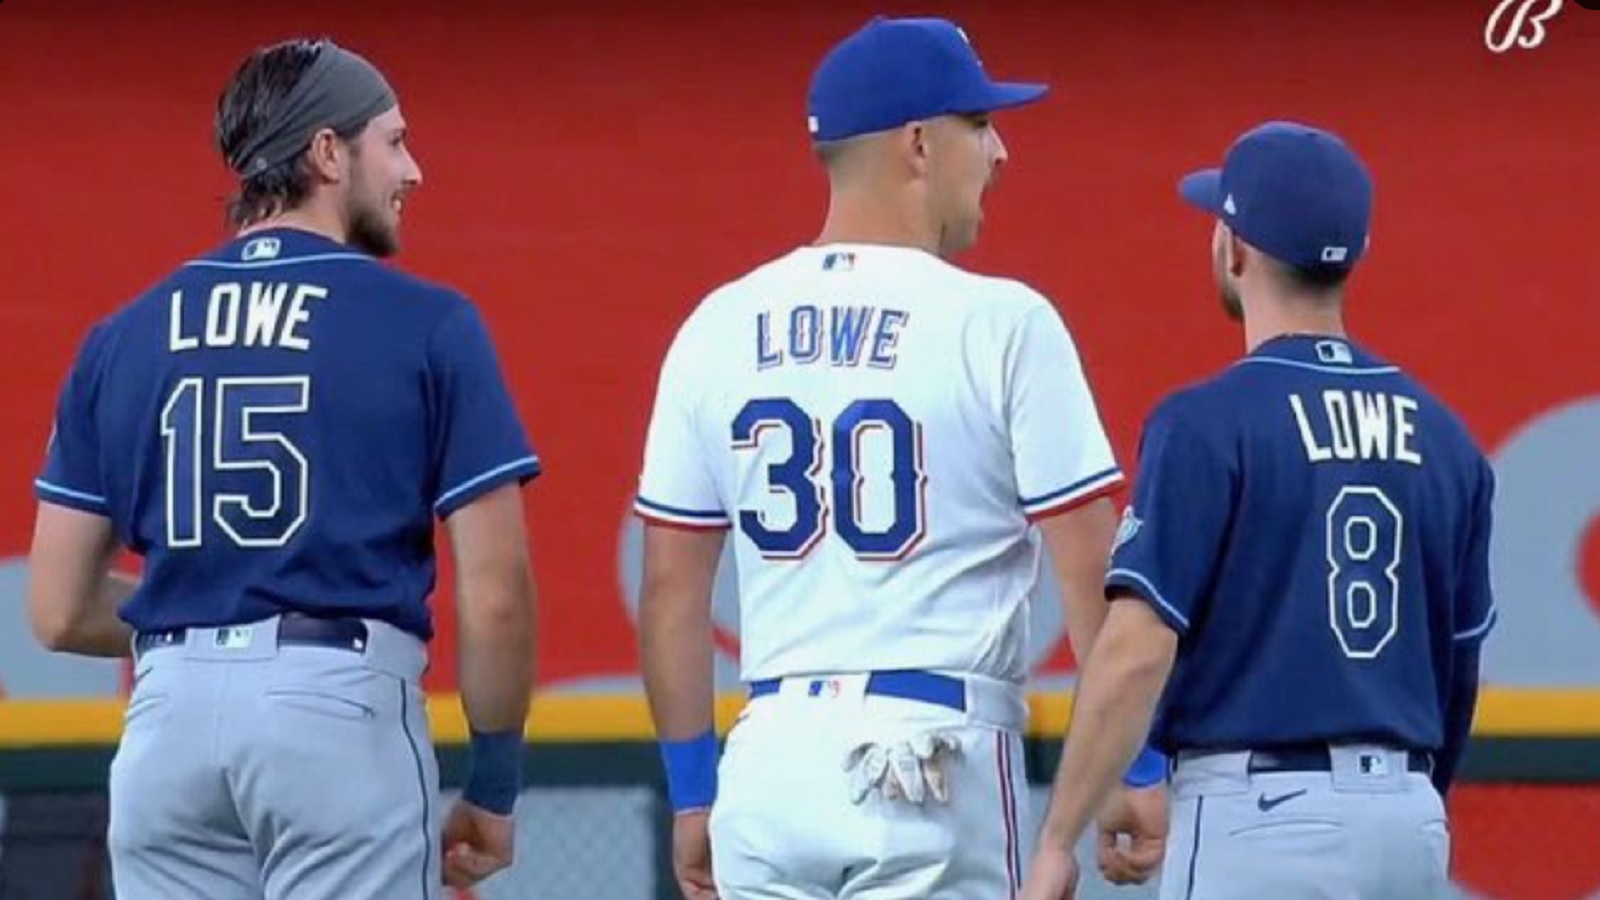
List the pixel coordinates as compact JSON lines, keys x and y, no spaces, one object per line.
{"x":590,"y":173}
{"x":592,"y":169}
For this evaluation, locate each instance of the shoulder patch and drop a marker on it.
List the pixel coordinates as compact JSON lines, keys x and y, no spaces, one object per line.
{"x":1126,"y":529}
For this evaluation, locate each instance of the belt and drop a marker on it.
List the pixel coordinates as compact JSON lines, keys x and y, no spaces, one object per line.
{"x":1317,"y":758}
{"x":293,"y":628}
{"x":905,"y":684}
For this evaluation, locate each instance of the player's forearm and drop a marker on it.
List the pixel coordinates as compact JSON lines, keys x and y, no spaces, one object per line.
{"x":675,"y":648}
{"x":495,"y":641}
{"x":1111,"y":715}
{"x":93,"y":627}
{"x":675,"y":652}
{"x":676,"y":655}
{"x":1085,"y":614}
{"x":1079,"y":542}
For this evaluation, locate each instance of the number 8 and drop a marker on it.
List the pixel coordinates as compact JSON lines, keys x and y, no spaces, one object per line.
{"x":1363,"y":550}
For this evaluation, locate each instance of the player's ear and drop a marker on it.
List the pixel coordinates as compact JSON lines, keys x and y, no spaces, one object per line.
{"x":1233,"y":252}
{"x":327,"y":155}
{"x":914,"y":138}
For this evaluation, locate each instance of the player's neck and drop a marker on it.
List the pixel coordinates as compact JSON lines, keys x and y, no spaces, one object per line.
{"x":859,"y":219}
{"x":305,"y":218}
{"x":1277,"y":320}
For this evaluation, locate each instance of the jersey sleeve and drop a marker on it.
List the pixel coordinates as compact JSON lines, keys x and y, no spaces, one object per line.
{"x":677,"y":487}
{"x":479,"y":442}
{"x":1058,"y":444}
{"x":72,"y":472}
{"x":1169,"y":545}
{"x":1475,"y":613}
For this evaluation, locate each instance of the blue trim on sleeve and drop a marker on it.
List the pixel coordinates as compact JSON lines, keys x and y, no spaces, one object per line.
{"x":709,"y":516}
{"x":1142,"y":586}
{"x":525,"y":468}
{"x":65,"y":496}
{"x":1073,"y":488}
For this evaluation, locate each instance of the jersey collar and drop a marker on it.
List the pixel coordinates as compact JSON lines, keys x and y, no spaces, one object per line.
{"x":1317,"y":351}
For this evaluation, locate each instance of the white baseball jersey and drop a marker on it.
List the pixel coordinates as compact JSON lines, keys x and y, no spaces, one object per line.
{"x":876,"y":427}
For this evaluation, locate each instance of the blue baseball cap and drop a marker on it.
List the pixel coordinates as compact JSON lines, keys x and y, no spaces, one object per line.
{"x":894,"y":71}
{"x":1295,"y":192}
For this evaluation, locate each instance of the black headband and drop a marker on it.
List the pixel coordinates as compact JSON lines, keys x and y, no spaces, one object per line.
{"x":340,"y":91}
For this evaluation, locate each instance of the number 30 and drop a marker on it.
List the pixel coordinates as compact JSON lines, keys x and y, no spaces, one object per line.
{"x":798,"y":476}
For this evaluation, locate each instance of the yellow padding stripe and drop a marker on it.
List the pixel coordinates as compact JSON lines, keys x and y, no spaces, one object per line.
{"x":556,"y":718}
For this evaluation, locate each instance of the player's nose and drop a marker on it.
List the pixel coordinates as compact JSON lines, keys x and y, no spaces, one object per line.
{"x":1000,"y":154}
{"x":413,"y":171}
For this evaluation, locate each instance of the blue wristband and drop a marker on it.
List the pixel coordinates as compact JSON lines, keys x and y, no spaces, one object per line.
{"x":495,"y":767}
{"x":1149,"y":767}
{"x":691,"y":771}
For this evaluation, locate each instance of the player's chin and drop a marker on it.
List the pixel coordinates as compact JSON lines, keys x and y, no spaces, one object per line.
{"x":377,"y":238}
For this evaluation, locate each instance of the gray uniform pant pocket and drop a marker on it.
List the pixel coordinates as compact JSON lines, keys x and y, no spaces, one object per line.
{"x":304,"y":773}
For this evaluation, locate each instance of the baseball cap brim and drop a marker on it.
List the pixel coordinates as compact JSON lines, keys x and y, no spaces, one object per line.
{"x":1003,"y":95}
{"x":1203,"y":189}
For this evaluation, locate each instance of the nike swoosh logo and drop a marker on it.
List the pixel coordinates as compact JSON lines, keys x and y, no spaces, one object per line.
{"x":1268,"y":804}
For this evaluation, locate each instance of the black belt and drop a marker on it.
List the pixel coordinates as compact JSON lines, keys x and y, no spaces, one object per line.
{"x":1317,"y":758}
{"x":293,"y":628}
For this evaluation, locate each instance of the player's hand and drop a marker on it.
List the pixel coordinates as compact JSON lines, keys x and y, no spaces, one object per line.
{"x":1052,"y":876}
{"x":1133,"y":834}
{"x":477,"y":844}
{"x":691,"y":855}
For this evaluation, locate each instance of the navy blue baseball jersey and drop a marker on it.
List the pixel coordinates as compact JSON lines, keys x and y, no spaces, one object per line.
{"x":1314,"y":526}
{"x":275,"y":427}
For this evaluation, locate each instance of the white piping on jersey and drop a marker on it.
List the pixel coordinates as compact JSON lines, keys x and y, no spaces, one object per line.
{"x":68,"y":492}
{"x":1152,"y":593}
{"x":476,"y":480}
{"x":1481,"y":629}
{"x":270,"y":263}
{"x":1313,"y":367}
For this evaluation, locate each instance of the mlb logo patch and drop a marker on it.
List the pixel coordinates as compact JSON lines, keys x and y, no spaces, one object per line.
{"x":1373,"y":764}
{"x":839,"y":262}
{"x":1334,"y":352}
{"x":235,"y":638}
{"x":823,"y":687}
{"x":261,"y":248}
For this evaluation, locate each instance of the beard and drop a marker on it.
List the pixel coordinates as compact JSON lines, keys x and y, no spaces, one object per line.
{"x":371,"y":232}
{"x":1231,"y":306}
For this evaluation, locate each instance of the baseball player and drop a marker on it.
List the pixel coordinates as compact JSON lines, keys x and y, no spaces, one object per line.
{"x":1306,"y":557}
{"x":275,"y":427}
{"x":892,"y":442}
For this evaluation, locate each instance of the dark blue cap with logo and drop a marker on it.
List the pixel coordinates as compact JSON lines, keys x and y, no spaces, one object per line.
{"x":894,"y":71}
{"x":1295,"y":192}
